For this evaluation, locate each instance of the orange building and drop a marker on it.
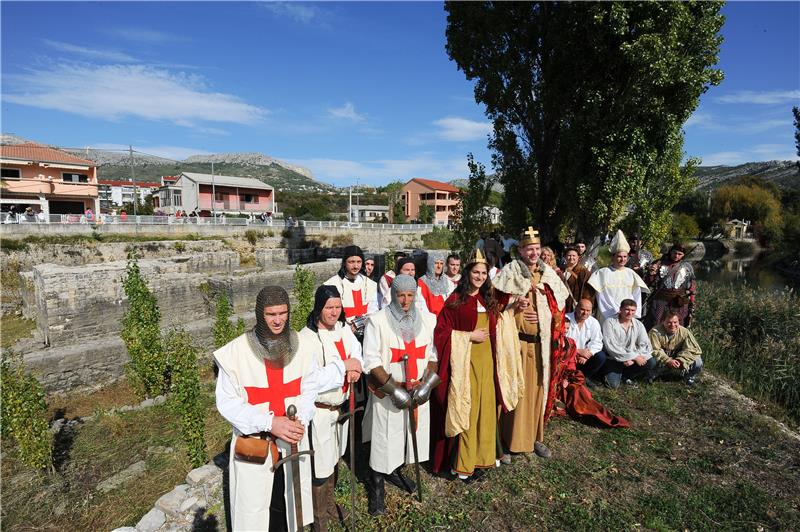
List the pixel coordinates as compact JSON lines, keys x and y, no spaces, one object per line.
{"x":47,"y":179}
{"x":443,"y":197}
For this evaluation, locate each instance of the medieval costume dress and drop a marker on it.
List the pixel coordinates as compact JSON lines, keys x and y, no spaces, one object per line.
{"x":328,"y":437}
{"x":524,"y":426}
{"x":260,"y":375}
{"x":673,"y":288}
{"x":476,"y":379}
{"x":613,"y":285}
{"x":434,"y":289}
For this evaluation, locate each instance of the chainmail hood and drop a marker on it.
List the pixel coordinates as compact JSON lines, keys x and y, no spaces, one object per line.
{"x":437,"y":285}
{"x":278,"y":349}
{"x":408,"y":324}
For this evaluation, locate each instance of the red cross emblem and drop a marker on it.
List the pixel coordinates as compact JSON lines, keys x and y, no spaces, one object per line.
{"x":343,"y":354}
{"x":414,"y":353}
{"x":359,"y":308}
{"x":434,"y":303}
{"x":276,"y":391}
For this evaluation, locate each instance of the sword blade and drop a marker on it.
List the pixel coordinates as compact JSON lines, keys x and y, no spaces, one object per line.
{"x":352,"y":429}
{"x":413,"y":421}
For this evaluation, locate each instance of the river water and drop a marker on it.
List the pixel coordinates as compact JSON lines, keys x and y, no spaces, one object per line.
{"x":758,"y":270}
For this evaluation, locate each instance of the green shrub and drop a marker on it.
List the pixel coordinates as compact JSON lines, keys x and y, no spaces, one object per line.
{"x":185,"y":394}
{"x":13,"y":244}
{"x":180,"y":247}
{"x":240,"y":327}
{"x":24,"y":415}
{"x":224,"y":330}
{"x":684,"y":227}
{"x":252,"y":236}
{"x":753,"y":336}
{"x":438,"y":238}
{"x":142,"y":334}
{"x":303,"y":295}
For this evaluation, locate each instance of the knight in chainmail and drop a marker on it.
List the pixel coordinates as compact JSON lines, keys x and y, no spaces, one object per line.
{"x":673,"y":286}
{"x":434,"y":285}
{"x":401,"y":361}
{"x":262,"y":373}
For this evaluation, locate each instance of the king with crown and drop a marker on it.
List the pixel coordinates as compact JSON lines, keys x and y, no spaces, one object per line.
{"x":539,"y":296}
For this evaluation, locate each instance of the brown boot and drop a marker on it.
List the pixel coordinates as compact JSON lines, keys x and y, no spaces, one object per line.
{"x":323,"y":499}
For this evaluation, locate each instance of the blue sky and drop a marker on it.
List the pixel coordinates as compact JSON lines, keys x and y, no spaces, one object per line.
{"x":354,"y":91}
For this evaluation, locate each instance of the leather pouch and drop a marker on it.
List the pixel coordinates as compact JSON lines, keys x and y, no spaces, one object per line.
{"x":251,"y":449}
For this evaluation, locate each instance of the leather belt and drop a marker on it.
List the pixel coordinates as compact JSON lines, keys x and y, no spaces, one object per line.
{"x":327,"y":406}
{"x":530,"y":338}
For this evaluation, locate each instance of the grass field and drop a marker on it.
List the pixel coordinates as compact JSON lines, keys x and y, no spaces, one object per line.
{"x":695,"y":458}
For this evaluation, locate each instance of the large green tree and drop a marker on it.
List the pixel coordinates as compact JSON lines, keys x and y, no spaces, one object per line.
{"x":587,"y":101}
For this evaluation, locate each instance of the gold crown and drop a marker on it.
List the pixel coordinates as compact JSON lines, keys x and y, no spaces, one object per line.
{"x":477,"y":257}
{"x":529,"y":236}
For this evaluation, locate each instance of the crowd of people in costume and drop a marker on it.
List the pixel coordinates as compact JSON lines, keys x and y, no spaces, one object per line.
{"x":460,"y":367}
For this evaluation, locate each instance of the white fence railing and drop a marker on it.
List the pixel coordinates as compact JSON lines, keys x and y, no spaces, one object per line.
{"x":130,"y":219}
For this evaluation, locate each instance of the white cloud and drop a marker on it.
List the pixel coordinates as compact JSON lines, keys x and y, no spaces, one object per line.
{"x":112,"y":92}
{"x":761,"y":97}
{"x":381,"y":171}
{"x":347,"y":112}
{"x":759,"y":152}
{"x":736,"y":125}
{"x":302,"y":12}
{"x":91,"y":53}
{"x":461,"y":129}
{"x":144,"y":35}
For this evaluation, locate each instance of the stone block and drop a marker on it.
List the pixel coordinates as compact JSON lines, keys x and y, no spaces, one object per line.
{"x":152,"y":521}
{"x":170,"y":503}
{"x":201,"y":474}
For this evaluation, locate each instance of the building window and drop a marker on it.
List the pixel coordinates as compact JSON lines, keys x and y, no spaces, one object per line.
{"x":11,"y":173}
{"x":248,"y":198}
{"x":176,"y":199}
{"x":218,"y":196}
{"x":74,"y":178}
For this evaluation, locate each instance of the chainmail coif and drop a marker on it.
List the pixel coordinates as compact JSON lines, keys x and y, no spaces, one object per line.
{"x":437,"y":285}
{"x":408,"y":324}
{"x":278,"y":349}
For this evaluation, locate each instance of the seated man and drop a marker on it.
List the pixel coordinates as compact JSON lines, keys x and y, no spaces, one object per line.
{"x":676,"y":350}
{"x":627,"y":347}
{"x":585,"y":330}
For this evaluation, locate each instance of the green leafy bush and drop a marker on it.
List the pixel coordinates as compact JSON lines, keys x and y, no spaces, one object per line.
{"x":438,"y":238}
{"x":142,"y":334}
{"x":224,"y":330}
{"x":753,"y":336}
{"x":24,"y":415}
{"x":303,"y":295}
{"x":252,"y":236}
{"x":185,"y":394}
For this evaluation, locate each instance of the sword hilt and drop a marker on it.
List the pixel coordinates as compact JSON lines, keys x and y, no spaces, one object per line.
{"x":291,"y":412}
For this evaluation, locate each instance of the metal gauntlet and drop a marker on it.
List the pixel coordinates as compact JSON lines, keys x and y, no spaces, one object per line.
{"x":422,"y":393}
{"x":400,"y":397}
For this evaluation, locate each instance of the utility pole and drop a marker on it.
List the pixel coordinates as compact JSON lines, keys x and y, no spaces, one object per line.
{"x":135,"y":199}
{"x":350,"y":205}
{"x":213,"y":194}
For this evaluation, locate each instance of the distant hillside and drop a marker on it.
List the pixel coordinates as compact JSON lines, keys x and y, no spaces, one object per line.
{"x":117,"y":165}
{"x":782,"y":173}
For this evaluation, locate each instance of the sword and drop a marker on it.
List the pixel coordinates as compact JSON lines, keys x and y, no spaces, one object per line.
{"x":413,"y":420}
{"x":294,"y":458}
{"x":352,"y":437}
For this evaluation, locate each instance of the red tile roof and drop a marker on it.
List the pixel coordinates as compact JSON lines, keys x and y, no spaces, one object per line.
{"x":40,"y":153}
{"x":140,"y":184}
{"x":436,"y":185}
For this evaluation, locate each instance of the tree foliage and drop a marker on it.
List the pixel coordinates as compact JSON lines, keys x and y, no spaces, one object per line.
{"x":303,"y":296}
{"x":224,"y":330}
{"x":426,"y":214}
{"x":23,"y":413}
{"x":185,"y":394}
{"x":587,"y":102}
{"x":683,"y":227}
{"x":796,"y":113}
{"x":752,"y":203}
{"x":398,"y":216}
{"x":141,"y":333}
{"x":471,"y":217}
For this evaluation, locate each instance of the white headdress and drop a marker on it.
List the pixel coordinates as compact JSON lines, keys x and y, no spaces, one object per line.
{"x":619,"y":243}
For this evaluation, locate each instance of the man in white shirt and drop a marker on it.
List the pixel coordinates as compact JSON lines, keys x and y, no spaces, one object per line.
{"x":627,"y":346}
{"x":585,"y":330}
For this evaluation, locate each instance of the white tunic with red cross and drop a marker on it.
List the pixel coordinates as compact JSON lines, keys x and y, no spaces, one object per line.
{"x":359,"y":297}
{"x":267,"y":390}
{"x":387,"y":427}
{"x":330,"y":349}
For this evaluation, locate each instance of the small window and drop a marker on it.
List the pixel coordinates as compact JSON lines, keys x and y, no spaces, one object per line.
{"x":74,"y":178}
{"x":10,"y":173}
{"x":248,"y":198}
{"x":218,"y":196}
{"x":176,"y":199}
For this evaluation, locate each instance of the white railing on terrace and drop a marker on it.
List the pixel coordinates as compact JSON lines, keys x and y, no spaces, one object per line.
{"x":130,"y":219}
